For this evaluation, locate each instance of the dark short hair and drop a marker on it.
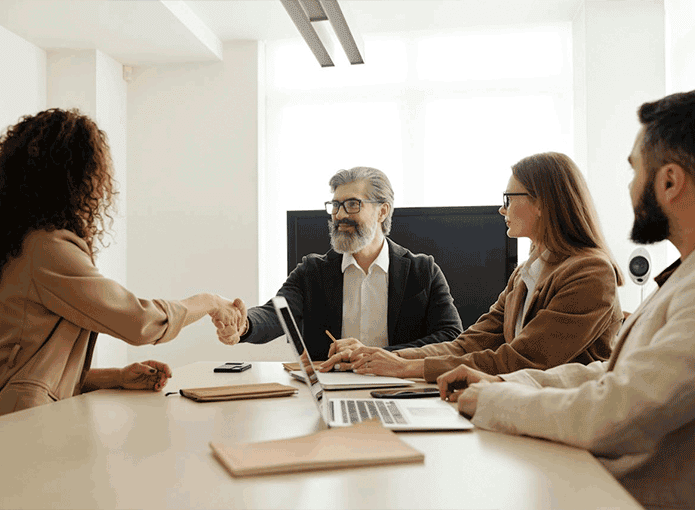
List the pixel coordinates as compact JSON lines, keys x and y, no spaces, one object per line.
{"x":669,"y":131}
{"x":380,"y":188}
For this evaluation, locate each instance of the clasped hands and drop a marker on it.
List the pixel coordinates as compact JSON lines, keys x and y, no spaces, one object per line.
{"x":230,"y":320}
{"x":351,"y":354}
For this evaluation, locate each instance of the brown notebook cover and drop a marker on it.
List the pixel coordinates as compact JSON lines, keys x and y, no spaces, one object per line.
{"x":365,"y":444}
{"x":291,"y":367}
{"x":238,"y":392}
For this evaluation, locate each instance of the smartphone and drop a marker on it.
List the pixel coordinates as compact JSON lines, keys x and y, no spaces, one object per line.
{"x":409,"y":393}
{"x":233,"y":366}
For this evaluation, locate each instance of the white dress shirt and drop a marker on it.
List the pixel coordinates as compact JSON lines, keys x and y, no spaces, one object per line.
{"x":529,"y":274}
{"x":365,"y":299}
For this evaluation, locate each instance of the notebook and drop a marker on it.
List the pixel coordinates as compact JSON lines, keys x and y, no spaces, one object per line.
{"x":238,"y":392}
{"x":416,"y":414}
{"x":365,"y":444}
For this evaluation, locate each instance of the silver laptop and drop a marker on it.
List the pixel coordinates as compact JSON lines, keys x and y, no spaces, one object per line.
{"x":417,"y":414}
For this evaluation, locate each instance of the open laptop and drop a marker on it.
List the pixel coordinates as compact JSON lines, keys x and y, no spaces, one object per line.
{"x":417,"y":414}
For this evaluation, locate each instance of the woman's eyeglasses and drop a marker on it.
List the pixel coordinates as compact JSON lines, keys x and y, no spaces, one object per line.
{"x":505,"y":198}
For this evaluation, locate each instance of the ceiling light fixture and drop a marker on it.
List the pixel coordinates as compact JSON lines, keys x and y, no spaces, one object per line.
{"x":312,"y":17}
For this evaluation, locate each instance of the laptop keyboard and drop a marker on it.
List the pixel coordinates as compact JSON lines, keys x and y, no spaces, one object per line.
{"x":355,"y":411}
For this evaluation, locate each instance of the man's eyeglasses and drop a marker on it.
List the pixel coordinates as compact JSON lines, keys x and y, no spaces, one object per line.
{"x":351,"y":205}
{"x":505,"y":198}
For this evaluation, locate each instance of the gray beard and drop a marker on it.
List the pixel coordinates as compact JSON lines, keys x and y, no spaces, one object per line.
{"x":352,"y":242}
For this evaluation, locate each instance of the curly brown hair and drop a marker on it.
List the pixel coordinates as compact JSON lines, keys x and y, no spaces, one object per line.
{"x":55,"y":173}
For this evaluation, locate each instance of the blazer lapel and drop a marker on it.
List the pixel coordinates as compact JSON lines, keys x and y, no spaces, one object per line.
{"x":515,"y":302}
{"x":399,"y":268}
{"x":333,"y":285}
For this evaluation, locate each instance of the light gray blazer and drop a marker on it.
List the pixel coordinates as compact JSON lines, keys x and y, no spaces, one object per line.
{"x":636,"y":411}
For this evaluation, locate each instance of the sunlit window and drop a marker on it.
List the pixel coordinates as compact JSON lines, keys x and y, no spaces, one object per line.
{"x":471,"y":143}
{"x":444,"y":115}
{"x":492,"y":55}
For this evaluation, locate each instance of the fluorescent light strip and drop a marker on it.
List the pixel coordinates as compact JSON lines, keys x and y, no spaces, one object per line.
{"x":301,"y":21}
{"x":304,"y":12}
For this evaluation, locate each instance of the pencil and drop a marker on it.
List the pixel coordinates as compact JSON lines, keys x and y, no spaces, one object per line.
{"x":331,"y":336}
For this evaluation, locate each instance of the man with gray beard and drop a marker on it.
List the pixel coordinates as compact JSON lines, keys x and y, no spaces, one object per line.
{"x":366,"y":290}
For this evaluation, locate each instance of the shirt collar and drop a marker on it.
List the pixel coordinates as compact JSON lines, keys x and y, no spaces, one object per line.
{"x":533,"y":267}
{"x":382,"y":260}
{"x":664,"y":275}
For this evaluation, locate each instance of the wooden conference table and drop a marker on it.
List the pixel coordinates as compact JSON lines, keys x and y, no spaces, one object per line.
{"x":127,"y":449}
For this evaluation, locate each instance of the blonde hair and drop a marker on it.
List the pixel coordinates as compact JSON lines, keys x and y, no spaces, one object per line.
{"x":568,"y":223}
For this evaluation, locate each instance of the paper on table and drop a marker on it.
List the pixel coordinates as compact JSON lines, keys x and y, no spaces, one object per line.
{"x":364,"y":444}
{"x":238,"y":392}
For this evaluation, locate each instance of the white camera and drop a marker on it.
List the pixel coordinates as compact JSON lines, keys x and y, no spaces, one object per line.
{"x":640,"y":266}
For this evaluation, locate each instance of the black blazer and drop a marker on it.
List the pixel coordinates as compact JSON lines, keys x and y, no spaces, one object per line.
{"x":420,"y":308}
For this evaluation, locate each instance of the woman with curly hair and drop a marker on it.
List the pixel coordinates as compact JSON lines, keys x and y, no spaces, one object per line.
{"x":56,"y":189}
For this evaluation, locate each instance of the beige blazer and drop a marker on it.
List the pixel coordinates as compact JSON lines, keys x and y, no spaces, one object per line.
{"x":53,"y":301}
{"x":573,"y":316}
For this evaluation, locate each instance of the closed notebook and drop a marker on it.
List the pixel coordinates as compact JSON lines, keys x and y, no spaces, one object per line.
{"x":291,"y":367}
{"x":238,"y":392}
{"x":365,"y":444}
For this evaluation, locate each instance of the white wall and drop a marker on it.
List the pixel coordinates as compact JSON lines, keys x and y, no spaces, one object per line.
{"x":680,"y":45}
{"x":23,"y":78}
{"x":193,"y":139}
{"x":620,"y":51}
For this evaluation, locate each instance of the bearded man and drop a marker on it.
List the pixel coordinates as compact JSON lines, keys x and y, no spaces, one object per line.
{"x":636,"y":411}
{"x":366,"y":290}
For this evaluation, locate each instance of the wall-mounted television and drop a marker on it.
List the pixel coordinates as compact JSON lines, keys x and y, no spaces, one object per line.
{"x":469,"y":244}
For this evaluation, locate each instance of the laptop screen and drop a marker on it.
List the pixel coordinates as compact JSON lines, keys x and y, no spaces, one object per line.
{"x":295,"y":338}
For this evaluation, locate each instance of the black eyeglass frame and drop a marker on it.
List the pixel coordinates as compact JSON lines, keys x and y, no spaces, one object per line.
{"x":505,"y":198}
{"x":335,"y":205}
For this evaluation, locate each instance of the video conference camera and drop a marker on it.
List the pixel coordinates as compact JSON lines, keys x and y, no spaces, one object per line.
{"x":640,"y":266}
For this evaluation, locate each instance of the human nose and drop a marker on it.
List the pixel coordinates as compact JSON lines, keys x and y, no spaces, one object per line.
{"x":341,"y":212}
{"x":502,"y":210}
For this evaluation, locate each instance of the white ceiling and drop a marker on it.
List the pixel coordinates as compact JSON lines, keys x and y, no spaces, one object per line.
{"x":141,"y":32}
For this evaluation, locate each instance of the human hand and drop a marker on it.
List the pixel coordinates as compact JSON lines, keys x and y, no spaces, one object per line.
{"x":148,"y":375}
{"x":468,"y":400}
{"x":344,"y":344}
{"x":370,"y":360}
{"x":454,"y":382}
{"x":231,"y":320}
{"x":342,"y":361}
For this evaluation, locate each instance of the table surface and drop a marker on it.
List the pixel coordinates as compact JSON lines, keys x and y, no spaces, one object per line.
{"x":136,"y":449}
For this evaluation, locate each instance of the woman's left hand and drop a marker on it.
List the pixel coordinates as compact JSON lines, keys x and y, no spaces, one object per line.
{"x":148,"y":375}
{"x":383,"y":362}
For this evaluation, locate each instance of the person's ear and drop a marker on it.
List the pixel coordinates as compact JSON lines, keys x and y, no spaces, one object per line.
{"x":669,"y":181}
{"x":383,"y":212}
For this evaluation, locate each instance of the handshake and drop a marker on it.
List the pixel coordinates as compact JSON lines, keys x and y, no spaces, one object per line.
{"x":230,"y":319}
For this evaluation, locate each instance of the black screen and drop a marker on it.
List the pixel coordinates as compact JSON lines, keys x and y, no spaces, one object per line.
{"x":469,"y":244}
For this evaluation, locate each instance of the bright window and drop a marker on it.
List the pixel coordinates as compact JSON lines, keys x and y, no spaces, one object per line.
{"x":444,"y":116}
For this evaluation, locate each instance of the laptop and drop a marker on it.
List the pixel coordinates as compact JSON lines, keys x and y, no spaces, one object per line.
{"x":417,"y":414}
